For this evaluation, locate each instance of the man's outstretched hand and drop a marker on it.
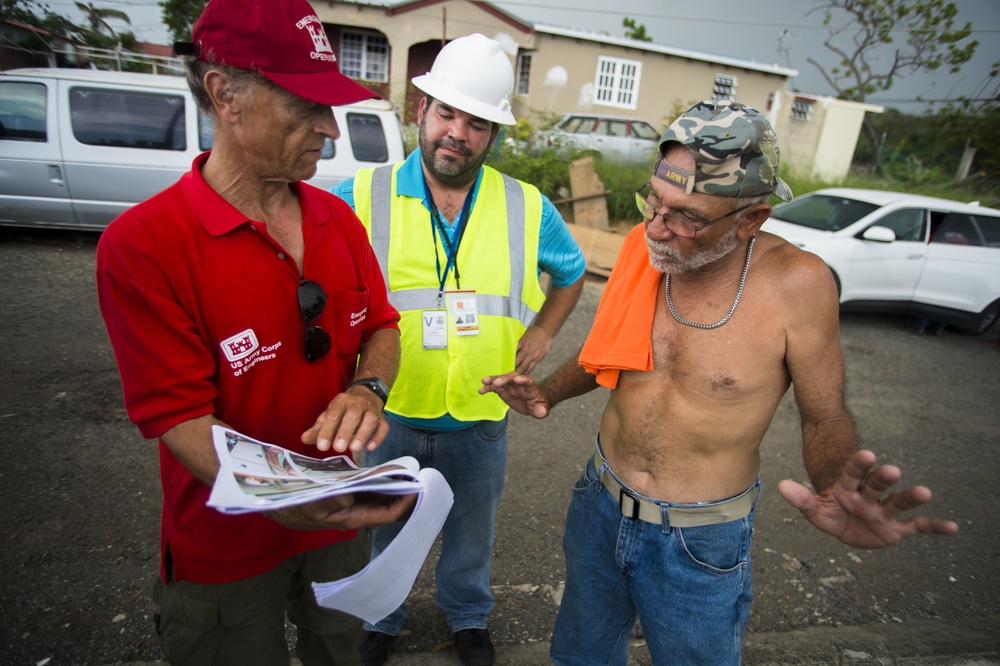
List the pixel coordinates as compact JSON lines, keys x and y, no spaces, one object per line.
{"x":857,"y":510}
{"x":519,"y":391}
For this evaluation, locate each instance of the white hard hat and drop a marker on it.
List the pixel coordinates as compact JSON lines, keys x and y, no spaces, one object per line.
{"x":474,"y":75}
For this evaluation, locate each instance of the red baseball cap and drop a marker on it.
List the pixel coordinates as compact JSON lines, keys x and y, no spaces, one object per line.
{"x":282,"y":39}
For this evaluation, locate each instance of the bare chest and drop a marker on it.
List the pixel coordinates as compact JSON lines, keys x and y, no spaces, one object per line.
{"x":742,"y":355}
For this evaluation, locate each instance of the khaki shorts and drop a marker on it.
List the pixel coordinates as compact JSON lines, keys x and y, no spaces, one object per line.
{"x":243,"y":622}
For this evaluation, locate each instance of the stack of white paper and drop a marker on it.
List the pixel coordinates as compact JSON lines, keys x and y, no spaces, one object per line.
{"x":255,"y":476}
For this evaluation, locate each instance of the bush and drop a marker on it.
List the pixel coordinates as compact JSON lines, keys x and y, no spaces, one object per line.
{"x":550,"y":174}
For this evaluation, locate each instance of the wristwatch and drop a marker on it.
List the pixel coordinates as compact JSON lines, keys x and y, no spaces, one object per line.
{"x":375,"y":385}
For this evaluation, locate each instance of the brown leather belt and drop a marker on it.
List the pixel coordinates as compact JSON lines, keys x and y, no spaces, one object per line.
{"x":692,"y":515}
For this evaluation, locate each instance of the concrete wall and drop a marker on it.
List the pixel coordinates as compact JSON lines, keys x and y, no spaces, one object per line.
{"x":823,"y":146}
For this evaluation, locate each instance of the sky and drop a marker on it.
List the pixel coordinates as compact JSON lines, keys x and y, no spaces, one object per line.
{"x":746,"y":29}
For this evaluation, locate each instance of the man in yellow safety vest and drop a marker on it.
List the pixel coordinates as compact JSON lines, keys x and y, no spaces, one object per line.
{"x":461,"y":247}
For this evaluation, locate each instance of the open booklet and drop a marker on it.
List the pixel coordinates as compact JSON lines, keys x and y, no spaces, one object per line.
{"x":255,"y":476}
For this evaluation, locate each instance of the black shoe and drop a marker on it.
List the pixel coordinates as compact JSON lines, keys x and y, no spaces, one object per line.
{"x":475,"y":647}
{"x":375,"y":648}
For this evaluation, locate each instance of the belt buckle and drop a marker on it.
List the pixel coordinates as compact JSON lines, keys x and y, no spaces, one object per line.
{"x":622,"y":494}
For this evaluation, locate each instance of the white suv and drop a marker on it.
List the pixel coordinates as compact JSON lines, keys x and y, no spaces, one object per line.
{"x":901,"y":253}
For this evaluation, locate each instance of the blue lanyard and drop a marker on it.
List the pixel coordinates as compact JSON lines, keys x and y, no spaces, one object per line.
{"x":451,"y":249}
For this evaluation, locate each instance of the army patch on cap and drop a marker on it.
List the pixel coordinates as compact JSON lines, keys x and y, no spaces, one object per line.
{"x":674,"y":175}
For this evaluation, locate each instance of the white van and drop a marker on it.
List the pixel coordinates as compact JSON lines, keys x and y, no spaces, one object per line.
{"x":78,"y":147}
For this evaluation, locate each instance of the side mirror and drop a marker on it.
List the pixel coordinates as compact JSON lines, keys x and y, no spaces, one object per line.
{"x":879,"y":234}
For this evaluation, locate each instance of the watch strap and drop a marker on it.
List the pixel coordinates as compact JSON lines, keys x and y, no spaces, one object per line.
{"x":375,"y":385}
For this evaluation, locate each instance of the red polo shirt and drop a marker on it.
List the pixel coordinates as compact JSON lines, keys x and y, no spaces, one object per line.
{"x":201,"y":308}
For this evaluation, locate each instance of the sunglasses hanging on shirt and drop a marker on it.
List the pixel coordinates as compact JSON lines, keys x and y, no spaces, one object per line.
{"x":312,"y":302}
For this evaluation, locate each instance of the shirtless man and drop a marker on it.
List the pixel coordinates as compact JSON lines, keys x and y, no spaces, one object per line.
{"x":703,"y":325}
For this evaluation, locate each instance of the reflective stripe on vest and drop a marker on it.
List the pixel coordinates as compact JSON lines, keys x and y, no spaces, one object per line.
{"x":510,"y":305}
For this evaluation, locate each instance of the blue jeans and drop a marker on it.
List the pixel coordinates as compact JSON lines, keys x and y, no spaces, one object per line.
{"x":474,"y":462}
{"x":689,"y":587}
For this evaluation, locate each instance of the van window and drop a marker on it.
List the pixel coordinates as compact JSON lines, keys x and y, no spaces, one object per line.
{"x":22,"y":111}
{"x":206,"y":131}
{"x":367,"y":137}
{"x":102,"y":117}
{"x":329,"y":150}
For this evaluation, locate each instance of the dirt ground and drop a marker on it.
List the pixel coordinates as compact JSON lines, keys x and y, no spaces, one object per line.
{"x":80,"y":494}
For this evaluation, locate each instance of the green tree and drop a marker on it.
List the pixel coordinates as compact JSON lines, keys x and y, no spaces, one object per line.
{"x":862,"y":39}
{"x":635,"y":31}
{"x":180,"y":15}
{"x":98,"y":17}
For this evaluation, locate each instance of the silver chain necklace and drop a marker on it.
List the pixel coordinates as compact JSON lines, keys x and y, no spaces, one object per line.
{"x":736,"y":301}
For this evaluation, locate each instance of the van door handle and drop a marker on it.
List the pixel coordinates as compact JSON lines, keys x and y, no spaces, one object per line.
{"x":55,"y":175}
{"x":918,"y":255}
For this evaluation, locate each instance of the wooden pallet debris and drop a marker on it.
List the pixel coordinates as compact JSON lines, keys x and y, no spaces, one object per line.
{"x":599,"y":247}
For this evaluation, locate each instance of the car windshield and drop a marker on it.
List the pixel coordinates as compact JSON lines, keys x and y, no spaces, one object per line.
{"x":822,"y":211}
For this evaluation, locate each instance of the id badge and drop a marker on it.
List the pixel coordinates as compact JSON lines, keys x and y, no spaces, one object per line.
{"x":435,"y":327}
{"x":462,"y":305}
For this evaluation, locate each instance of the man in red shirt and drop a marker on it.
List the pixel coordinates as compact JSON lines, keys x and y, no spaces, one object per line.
{"x":241,"y":296}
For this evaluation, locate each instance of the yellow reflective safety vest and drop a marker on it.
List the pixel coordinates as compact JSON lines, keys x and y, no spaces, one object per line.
{"x":497,"y":257}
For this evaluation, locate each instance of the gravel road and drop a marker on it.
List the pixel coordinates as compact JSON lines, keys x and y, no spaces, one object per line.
{"x":80,"y":492}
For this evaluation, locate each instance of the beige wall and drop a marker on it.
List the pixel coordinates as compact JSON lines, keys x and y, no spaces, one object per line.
{"x":564,"y":71}
{"x":838,"y":139}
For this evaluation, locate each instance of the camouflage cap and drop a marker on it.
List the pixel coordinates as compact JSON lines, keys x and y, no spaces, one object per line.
{"x":734,"y":148}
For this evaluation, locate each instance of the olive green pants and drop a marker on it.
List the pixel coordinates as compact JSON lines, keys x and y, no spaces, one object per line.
{"x":243,"y":623}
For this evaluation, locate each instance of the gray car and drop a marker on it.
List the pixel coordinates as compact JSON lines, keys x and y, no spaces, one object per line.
{"x":617,"y":138}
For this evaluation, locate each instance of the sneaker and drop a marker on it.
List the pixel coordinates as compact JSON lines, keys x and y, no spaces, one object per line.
{"x":475,"y":647}
{"x":375,"y":648}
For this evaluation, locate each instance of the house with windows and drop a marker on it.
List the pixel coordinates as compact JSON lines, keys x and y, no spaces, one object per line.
{"x":562,"y":70}
{"x":558,"y":70}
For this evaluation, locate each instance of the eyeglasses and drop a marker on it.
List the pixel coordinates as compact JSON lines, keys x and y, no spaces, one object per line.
{"x":312,"y":301}
{"x":688,"y":228}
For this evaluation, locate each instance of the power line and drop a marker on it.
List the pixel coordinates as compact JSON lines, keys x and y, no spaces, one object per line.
{"x":709,"y":19}
{"x":928,"y":101}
